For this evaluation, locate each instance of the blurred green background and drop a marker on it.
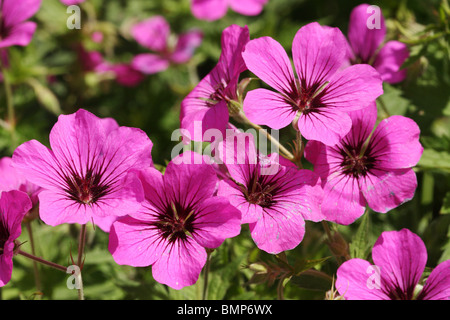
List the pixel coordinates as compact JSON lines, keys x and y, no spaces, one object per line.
{"x":47,"y":80}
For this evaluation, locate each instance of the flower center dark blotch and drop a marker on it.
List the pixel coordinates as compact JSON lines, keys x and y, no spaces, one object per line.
{"x":87,"y":189}
{"x":356,"y":163}
{"x":176,"y":223}
{"x":260,"y":192}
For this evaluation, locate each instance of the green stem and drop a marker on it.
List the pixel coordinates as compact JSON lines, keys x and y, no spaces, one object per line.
{"x":40,"y":260}
{"x":81,"y":245}
{"x":383,"y":106}
{"x":9,"y":106}
{"x":37,"y":277}
{"x":206,"y":274}
{"x":284,"y":152}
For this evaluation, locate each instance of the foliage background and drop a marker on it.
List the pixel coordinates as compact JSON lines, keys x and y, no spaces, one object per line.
{"x":47,"y":80}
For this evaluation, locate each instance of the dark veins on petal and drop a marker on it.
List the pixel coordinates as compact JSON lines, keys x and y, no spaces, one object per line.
{"x":176,"y":222}
{"x":261,"y":189}
{"x":356,"y":164}
{"x":307,"y":98}
{"x":4,"y":234}
{"x":87,"y":189}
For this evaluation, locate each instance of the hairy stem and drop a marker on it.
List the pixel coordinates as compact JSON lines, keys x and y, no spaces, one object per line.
{"x":9,"y":106}
{"x":283,"y":151}
{"x":40,"y":260}
{"x":81,"y":245}
{"x":37,"y":277}
{"x":206,"y":274}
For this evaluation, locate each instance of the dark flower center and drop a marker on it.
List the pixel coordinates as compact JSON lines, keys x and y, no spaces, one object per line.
{"x":218,"y":95}
{"x":176,"y":223}
{"x":398,"y":294}
{"x":260,"y":191}
{"x":87,"y":189}
{"x":356,"y":163}
{"x":307,"y":98}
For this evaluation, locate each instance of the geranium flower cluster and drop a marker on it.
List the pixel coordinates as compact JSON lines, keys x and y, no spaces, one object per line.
{"x":98,"y":171}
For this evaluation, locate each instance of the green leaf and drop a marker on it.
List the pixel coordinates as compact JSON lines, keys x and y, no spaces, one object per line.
{"x":303,"y":265}
{"x":360,"y":245}
{"x":45,"y":96}
{"x":445,"y":209}
{"x":432,"y":159}
{"x":312,"y":282}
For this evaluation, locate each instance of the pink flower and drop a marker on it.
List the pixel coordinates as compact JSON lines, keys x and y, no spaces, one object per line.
{"x":11,"y":179}
{"x":211,"y":10}
{"x":274,"y":197}
{"x":367,"y":168}
{"x":180,"y":217}
{"x":367,"y":45}
{"x":400,"y":258}
{"x":14,"y":29}
{"x":123,"y":73}
{"x":154,"y":34}
{"x":83,"y":175}
{"x":13,"y":207}
{"x":207,"y":103}
{"x":319,"y":100}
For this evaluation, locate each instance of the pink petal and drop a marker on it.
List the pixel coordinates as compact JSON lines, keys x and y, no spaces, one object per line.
{"x":152,"y":33}
{"x":389,"y":60}
{"x":189,"y":183}
{"x":149,"y":63}
{"x":209,"y":10}
{"x":247,"y":7}
{"x":233,"y":41}
{"x":265,"y":107}
{"x":268,"y":60}
{"x":180,"y":264}
{"x":343,"y":201}
{"x":302,"y":193}
{"x":186,"y":45}
{"x":318,"y":52}
{"x":15,"y":12}
{"x":216,"y":221}
{"x":19,"y":35}
{"x":6,"y":266}
{"x":238,"y":152}
{"x":354,"y":281}
{"x":126,"y":75}
{"x":327,"y":126}
{"x":13,"y":180}
{"x":55,"y":209}
{"x":38,"y":163}
{"x":249,"y":212}
{"x":401,"y":257}
{"x":14,"y":205}
{"x":199,"y":115}
{"x":385,"y":190}
{"x":352,"y":88}
{"x":437,"y":285}
{"x":365,"y":41}
{"x":363,"y":123}
{"x":395,"y":143}
{"x":277,"y":230}
{"x":134,"y":242}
